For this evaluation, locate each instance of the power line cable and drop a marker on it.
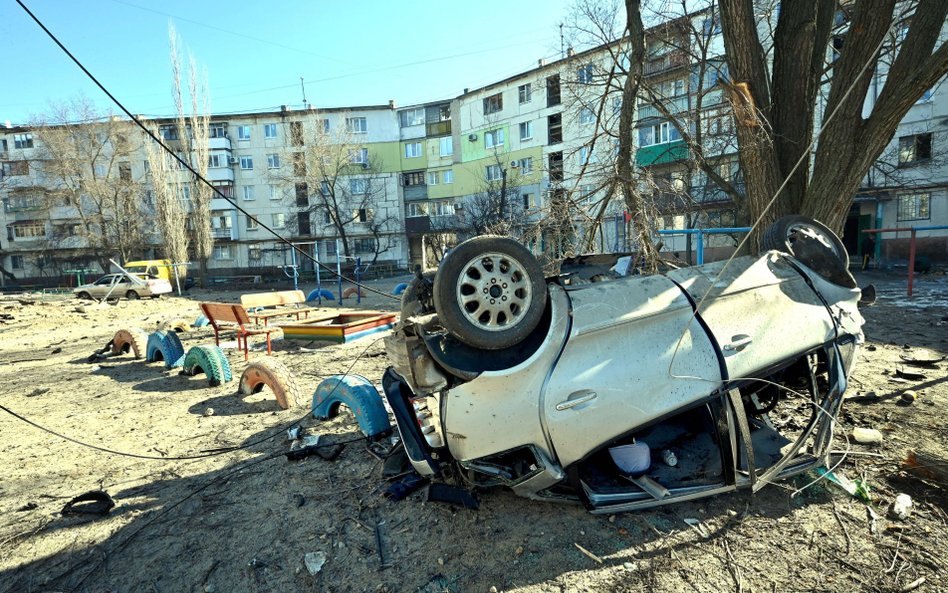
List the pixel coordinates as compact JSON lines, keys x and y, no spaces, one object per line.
{"x":186,"y":164}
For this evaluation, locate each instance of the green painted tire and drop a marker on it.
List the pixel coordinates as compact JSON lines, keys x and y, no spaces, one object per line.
{"x":209,"y":360}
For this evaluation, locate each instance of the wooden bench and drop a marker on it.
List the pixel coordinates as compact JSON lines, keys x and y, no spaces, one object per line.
{"x":287,"y":302}
{"x":228,"y":316}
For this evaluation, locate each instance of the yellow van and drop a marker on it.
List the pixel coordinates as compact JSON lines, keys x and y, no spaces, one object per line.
{"x":156,"y":268}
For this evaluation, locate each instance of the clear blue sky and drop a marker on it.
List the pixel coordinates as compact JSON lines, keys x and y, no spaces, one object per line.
{"x":349,"y":53}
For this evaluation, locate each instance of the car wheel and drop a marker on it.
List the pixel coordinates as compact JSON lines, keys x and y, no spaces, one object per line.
{"x":788,"y":232}
{"x":489,"y":292}
{"x":131,"y":295}
{"x":84,"y":295}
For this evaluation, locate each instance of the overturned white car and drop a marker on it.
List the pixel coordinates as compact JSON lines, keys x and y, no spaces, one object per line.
{"x":625,"y":392}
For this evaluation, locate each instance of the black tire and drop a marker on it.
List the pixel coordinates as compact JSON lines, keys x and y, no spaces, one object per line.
{"x":786,"y":232}
{"x":489,"y":292}
{"x":132,"y":295}
{"x":84,"y":295}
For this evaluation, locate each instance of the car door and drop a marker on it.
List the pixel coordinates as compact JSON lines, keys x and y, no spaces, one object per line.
{"x":101,"y":287}
{"x":760,"y":311}
{"x":635,"y":353}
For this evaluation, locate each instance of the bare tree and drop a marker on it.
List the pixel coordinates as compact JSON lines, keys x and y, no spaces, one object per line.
{"x":93,"y":201}
{"x":338,"y":181}
{"x":170,"y":203}
{"x":776,"y":99}
{"x":193,"y":129}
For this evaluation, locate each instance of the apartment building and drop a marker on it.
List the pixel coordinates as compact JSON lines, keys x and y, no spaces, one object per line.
{"x":532,"y":152}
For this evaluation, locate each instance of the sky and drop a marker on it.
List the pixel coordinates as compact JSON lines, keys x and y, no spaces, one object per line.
{"x":348,"y":53}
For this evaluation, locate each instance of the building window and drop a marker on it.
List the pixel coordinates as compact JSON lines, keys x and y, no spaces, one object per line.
{"x":303,"y":226}
{"x":324,"y":125}
{"x":584,"y":155}
{"x":555,"y":167}
{"x":217,"y":130}
{"x":524,"y":93}
{"x":356,"y":125}
{"x":432,"y":178}
{"x":412,"y":150}
{"x":248,"y":192}
{"x":296,"y":133}
{"x":16,"y":262}
{"x":616,"y":104}
{"x":302,"y":194}
{"x":554,"y":124}
{"x":442,"y":208}
{"x":29,"y":230}
{"x":447,"y":176}
{"x":416,"y":209}
{"x":278,"y":219}
{"x":494,"y":138}
{"x":215,"y":161}
{"x":223,"y":252}
{"x":915,"y":207}
{"x":254,"y":253}
{"x":269,"y":130}
{"x":914,"y":149}
{"x":221,"y":220}
{"x":586,"y":116}
{"x":273,"y":161}
{"x":411,"y":117}
{"x":553,"y":90}
{"x":243,"y":132}
{"x":15,"y":168}
{"x":494,"y":172}
{"x":526,"y":165}
{"x":658,"y":134}
{"x":359,"y":156}
{"x":363,"y":245}
{"x":275,"y":192}
{"x":413,"y":178}
{"x":447,"y":146}
{"x":493,"y":103}
{"x":363,"y":215}
{"x":526,"y":130}
{"x":23,"y":141}
{"x":529,"y":201}
{"x":358,"y":186}
{"x":246,"y":162}
{"x":325,"y":188}
{"x":252,"y":223}
{"x":585,"y":74}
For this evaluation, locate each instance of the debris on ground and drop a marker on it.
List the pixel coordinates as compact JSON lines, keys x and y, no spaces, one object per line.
{"x":314,"y":562}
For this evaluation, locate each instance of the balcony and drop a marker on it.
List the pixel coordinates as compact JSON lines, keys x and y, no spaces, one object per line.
{"x":664,"y":63}
{"x":221,"y":143}
{"x":220,"y":174}
{"x":223,"y":233}
{"x":675,"y":105}
{"x":416,"y":192}
{"x":438,"y":128}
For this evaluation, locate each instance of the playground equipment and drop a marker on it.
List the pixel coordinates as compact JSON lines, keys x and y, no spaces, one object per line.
{"x":911,"y":258}
{"x":700,"y":233}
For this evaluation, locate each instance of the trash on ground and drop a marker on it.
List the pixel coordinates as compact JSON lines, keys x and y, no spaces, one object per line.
{"x":926,"y":466}
{"x":867,"y":436}
{"x":94,"y":502}
{"x":902,"y":507}
{"x":699,"y":528}
{"x":911,"y":376}
{"x":404,"y":486}
{"x":909,"y":396}
{"x":314,"y":562}
{"x":454,"y":495}
{"x":589,"y":554}
{"x":856,"y":488}
{"x":922,"y":357}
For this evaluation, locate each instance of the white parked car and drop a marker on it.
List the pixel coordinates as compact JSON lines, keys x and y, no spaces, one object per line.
{"x":122,"y":285}
{"x":625,"y":392}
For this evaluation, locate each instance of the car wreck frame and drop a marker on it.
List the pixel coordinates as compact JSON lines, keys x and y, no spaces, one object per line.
{"x":698,"y":362}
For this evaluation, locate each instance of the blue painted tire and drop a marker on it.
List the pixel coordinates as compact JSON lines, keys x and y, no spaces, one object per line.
{"x":400,"y":288}
{"x":201,"y":321}
{"x":165,"y":346}
{"x":209,"y":360}
{"x":359,"y":395}
{"x":320,"y":292}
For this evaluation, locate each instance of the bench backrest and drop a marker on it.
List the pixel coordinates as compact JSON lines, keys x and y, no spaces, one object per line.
{"x":272,"y":299}
{"x":226,"y":312}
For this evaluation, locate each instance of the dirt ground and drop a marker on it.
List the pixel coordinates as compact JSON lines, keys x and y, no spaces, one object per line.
{"x":244,"y":520}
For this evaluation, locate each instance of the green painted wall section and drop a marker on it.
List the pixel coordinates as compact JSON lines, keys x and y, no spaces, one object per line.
{"x":412,"y":163}
{"x":660,"y":154}
{"x":385,"y":156}
{"x":475,"y":149}
{"x":470,"y":177}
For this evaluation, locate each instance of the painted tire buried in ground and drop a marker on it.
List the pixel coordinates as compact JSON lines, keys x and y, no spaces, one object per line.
{"x":132,"y":340}
{"x":177,"y":324}
{"x":351,"y":291}
{"x":273,"y":374}
{"x":359,"y":395}
{"x":209,"y":360}
{"x":201,"y":321}
{"x":165,"y":345}
{"x":321,"y":292}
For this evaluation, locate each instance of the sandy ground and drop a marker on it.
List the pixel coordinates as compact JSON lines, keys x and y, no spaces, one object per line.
{"x":244,"y":520}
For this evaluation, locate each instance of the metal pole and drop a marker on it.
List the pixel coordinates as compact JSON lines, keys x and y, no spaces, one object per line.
{"x":911,"y":263}
{"x":358,"y":276}
{"x":296,"y":272}
{"x":339,"y":271}
{"x":700,"y":249}
{"x":319,"y":285}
